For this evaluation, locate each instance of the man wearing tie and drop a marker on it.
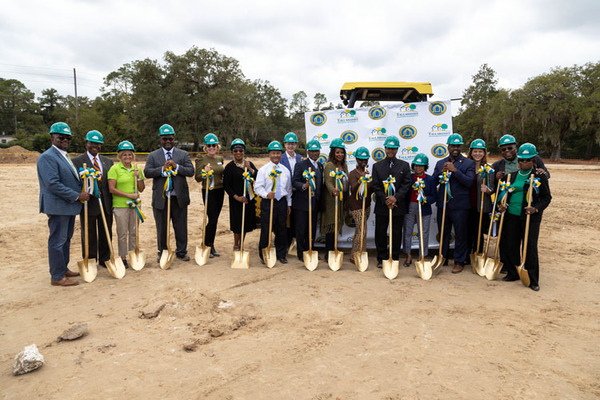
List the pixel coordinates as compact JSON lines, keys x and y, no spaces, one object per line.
{"x":60,"y":199}
{"x":300,"y":196}
{"x":289,"y":159}
{"x":179,"y":160}
{"x":400,"y":171}
{"x":282,"y":203}
{"x":98,"y":242}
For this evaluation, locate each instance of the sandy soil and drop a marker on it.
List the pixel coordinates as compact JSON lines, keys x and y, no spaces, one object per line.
{"x":287,"y":333}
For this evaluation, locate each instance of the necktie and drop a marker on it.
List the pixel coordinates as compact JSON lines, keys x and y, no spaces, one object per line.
{"x":278,"y":189}
{"x":169,"y":155}
{"x":72,"y":165}
{"x":97,"y":166}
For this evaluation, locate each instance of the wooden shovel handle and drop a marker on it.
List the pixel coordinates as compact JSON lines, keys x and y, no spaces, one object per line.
{"x":243,"y":217}
{"x":309,"y":214}
{"x":86,"y":240}
{"x":530,"y":195}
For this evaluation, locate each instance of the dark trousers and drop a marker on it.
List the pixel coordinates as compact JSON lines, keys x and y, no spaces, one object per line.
{"x":59,"y":244}
{"x":382,"y":239}
{"x":513,"y":233}
{"x":473,"y":229}
{"x":302,"y":243}
{"x":215,"y":204}
{"x":98,"y":244}
{"x":459,"y":220}
{"x":179,"y":220}
{"x":291,"y":231}
{"x":279,"y":228}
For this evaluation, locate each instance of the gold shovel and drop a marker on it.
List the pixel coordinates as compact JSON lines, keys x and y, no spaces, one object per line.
{"x":241,"y":258}
{"x":482,"y":258}
{"x":494,"y":267}
{"x":335,"y":257}
{"x":167,"y":256}
{"x":523,"y":273}
{"x":203,"y":253}
{"x":88,"y":272}
{"x":137,"y":257}
{"x":424,"y":268}
{"x":361,"y":258}
{"x":438,"y":261}
{"x":311,"y":258}
{"x":114,"y":266}
{"x":390,"y":267}
{"x":269,"y":254}
{"x":476,"y":254}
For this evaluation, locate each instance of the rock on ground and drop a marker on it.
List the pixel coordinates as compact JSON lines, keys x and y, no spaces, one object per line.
{"x":28,"y":360}
{"x":74,"y":332}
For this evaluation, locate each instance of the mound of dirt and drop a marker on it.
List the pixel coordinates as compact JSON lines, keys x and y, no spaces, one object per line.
{"x":17,"y":155}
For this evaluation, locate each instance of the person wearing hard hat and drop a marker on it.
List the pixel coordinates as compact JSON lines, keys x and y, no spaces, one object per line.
{"x":458,"y":201}
{"x":123,"y":179}
{"x":289,"y":159}
{"x":420,"y":165}
{"x":362,"y":157}
{"x":508,"y":164}
{"x":211,"y":161}
{"x":274,"y":181}
{"x":336,"y":160}
{"x":168,"y":157}
{"x":484,"y":181}
{"x":60,"y":199}
{"x":234,"y":183}
{"x":515,"y":221}
{"x":399,"y":170}
{"x":98,"y":242}
{"x":300,"y":196}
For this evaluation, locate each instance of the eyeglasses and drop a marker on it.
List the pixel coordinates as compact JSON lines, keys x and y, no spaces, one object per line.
{"x":167,"y":138}
{"x":63,"y":137}
{"x":525,"y":160}
{"x":211,"y":145}
{"x":509,"y":148}
{"x":238,"y":150}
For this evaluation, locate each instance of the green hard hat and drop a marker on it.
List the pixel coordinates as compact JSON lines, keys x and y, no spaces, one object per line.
{"x":339,"y":143}
{"x":125,"y":145}
{"x":421,"y":159}
{"x":290,"y":137}
{"x":275,"y":145}
{"x":362,"y":153}
{"x":455,"y":139}
{"x":507,"y":139}
{"x":313,"y":145}
{"x":477,"y":144}
{"x":60,"y":127}
{"x":527,"y":150}
{"x":236,"y":142}
{"x":211,"y":138}
{"x":391,"y":142}
{"x":166,"y":129}
{"x":95,"y":137}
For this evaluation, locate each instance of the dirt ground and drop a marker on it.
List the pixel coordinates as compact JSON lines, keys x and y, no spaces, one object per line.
{"x":287,"y":333}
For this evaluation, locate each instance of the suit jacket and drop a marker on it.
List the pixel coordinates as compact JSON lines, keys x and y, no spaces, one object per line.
{"x":400,"y":171}
{"x":460,"y":183}
{"x":284,"y":161}
{"x":59,"y":184}
{"x":300,"y":196}
{"x":154,"y":168}
{"x":105,"y":195}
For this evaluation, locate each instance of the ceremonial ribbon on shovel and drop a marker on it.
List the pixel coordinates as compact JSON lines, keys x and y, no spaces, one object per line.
{"x":338,"y":182}
{"x":310,"y":178}
{"x":248,"y":181}
{"x":169,"y":173}
{"x":419,"y":186}
{"x":388,"y":186}
{"x":135,"y":204}
{"x":95,"y":176}
{"x":445,"y":180}
{"x":361,"y":193}
{"x":274,"y":174}
{"x":210,"y":177}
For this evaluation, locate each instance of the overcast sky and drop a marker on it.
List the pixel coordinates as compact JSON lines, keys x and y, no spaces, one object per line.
{"x":314,"y":46}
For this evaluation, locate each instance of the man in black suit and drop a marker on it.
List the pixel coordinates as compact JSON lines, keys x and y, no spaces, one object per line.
{"x":400,"y":170}
{"x":300,"y":196}
{"x":98,"y":243}
{"x":179,"y":160}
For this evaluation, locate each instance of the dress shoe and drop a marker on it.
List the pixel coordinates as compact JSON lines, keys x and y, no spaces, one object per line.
{"x":283,"y":260}
{"x":213,"y":252}
{"x":64,"y":282}
{"x":509,"y":278}
{"x":70,"y":274}
{"x":157,"y":259}
{"x":262,"y":261}
{"x":125,"y":264}
{"x":535,"y":288}
{"x":379,"y":264}
{"x":184,"y":257}
{"x":457,"y":269}
{"x":446,"y":263}
{"x":102,"y":264}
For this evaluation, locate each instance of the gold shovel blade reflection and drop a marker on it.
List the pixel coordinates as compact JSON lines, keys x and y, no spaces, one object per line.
{"x":390,"y":268}
{"x":269,"y":256}
{"x":88,"y":270}
{"x":335,"y":259}
{"x":241,"y":260}
{"x":202,"y":255}
{"x":361,"y":260}
{"x":311,"y":259}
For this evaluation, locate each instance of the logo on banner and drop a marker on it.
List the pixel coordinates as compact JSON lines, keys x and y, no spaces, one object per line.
{"x":377,"y":112}
{"x":439,"y":150}
{"x":322,"y":138}
{"x":437,"y":108}
{"x":349,"y":137}
{"x":407,"y":110}
{"x":439,"y":130}
{"x":350,"y":159}
{"x":408,"y":132}
{"x":318,"y":119}
{"x":378,"y":134}
{"x":407,"y":153}
{"x":322,"y":158}
{"x":347,"y":116}
{"x":378,"y":154}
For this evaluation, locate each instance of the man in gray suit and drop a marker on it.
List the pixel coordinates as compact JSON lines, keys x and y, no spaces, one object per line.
{"x":60,"y":200}
{"x":179,"y":160}
{"x":98,"y":243}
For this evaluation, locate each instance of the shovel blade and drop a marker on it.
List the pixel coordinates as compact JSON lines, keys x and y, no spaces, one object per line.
{"x":292,"y":248}
{"x":362,"y":261}
{"x":137,"y":260}
{"x":480,"y":264}
{"x":269,"y":256}
{"x":390,"y":268}
{"x":492,"y":269}
{"x":424,"y":269}
{"x":166,"y":258}
{"x":88,"y":270}
{"x":524,"y":275}
{"x":311,"y":259}
{"x":241,"y":260}
{"x":474,"y":262}
{"x":335,"y":259}
{"x":116,"y":267}
{"x":202,"y":255}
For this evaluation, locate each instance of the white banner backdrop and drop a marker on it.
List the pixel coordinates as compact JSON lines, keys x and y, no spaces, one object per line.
{"x":421,"y":127}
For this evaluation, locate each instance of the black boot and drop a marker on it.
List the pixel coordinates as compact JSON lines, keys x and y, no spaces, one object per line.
{"x":213,"y":252}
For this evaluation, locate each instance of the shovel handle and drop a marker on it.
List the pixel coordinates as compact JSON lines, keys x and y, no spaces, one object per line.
{"x":86,"y":240}
{"x":204,"y":218}
{"x":530,"y":195}
{"x":443,"y":221}
{"x":309,"y":214}
{"x":243,"y":217}
{"x":270,"y":224}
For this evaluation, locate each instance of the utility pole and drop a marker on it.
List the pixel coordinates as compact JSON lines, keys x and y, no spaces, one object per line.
{"x":76,"y":100}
